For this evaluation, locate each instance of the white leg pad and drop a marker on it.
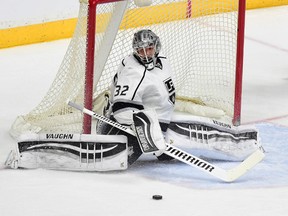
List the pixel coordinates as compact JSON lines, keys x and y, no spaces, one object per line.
{"x":79,"y":152}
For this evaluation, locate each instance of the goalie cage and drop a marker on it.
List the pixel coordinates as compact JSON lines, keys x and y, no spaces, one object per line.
{"x":202,"y":39}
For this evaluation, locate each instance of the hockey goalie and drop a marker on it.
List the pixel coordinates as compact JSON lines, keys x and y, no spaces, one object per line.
{"x":142,"y":101}
{"x":143,"y":83}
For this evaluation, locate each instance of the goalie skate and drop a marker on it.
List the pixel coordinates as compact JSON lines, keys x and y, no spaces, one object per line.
{"x":12,"y":160}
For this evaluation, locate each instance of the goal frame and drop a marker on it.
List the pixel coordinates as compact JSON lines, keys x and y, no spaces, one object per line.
{"x":90,"y":50}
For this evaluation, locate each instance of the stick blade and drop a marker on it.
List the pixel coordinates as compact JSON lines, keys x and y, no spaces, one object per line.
{"x":246,"y":165}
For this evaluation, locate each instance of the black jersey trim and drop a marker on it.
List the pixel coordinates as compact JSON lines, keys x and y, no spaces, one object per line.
{"x":144,"y":73}
{"x":123,"y":105}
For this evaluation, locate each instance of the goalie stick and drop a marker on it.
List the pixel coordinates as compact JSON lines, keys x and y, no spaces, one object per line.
{"x":187,"y":158}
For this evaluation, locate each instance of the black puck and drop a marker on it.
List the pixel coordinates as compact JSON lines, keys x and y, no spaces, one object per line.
{"x":157,"y":197}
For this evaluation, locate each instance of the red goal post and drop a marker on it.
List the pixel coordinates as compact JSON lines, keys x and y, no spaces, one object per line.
{"x":202,"y":39}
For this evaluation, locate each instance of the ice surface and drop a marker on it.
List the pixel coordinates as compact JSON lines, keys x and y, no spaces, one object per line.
{"x":27,"y":72}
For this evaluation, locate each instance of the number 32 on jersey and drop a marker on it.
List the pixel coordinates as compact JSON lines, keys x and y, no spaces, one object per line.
{"x":121,"y":90}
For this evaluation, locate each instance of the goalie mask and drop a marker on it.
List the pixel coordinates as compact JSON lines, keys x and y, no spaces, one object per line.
{"x":146,"y":47}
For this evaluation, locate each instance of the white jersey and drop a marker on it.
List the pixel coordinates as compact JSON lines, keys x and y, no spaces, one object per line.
{"x":136,"y":88}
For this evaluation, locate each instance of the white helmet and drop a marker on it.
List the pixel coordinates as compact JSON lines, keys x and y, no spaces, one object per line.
{"x":143,"y":41}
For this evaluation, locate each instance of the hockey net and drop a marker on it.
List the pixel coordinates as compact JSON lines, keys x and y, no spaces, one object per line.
{"x":200,"y":38}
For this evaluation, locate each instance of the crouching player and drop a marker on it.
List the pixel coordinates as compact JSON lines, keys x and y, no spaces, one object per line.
{"x":142,"y":98}
{"x":143,"y":83}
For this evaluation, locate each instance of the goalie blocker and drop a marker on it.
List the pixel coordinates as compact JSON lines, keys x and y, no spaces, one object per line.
{"x":148,"y":132}
{"x":81,"y":152}
{"x":147,"y":136}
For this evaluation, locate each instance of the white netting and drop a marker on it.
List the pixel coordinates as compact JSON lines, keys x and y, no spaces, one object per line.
{"x":201,"y":47}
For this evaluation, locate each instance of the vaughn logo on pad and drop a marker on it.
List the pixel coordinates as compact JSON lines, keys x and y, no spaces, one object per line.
{"x":59,"y":136}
